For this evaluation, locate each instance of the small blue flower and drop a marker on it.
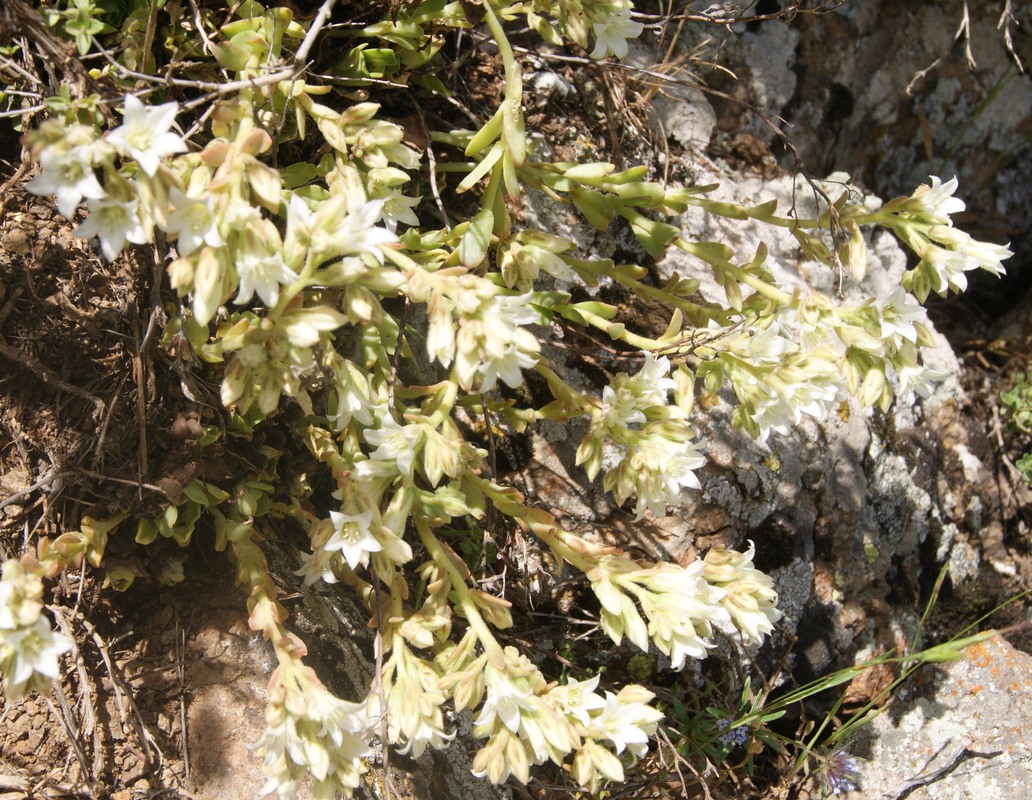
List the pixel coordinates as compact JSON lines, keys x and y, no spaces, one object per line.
{"x":840,"y":773}
{"x":732,"y":736}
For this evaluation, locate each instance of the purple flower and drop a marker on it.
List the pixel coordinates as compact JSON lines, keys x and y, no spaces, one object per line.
{"x":839,"y":773}
{"x":732,"y":736}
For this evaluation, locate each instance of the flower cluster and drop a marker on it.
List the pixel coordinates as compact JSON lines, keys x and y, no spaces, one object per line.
{"x":527,"y":721}
{"x":679,"y":605}
{"x":838,"y":773}
{"x":924,"y":222}
{"x":29,"y":647}
{"x":775,"y":380}
{"x":70,"y":163}
{"x":807,"y":356}
{"x":350,"y":536}
{"x":415,"y":702}
{"x":649,"y":440}
{"x":749,"y":595}
{"x":303,"y":282}
{"x":479,"y":328}
{"x":211,"y":205}
{"x":311,"y":732}
{"x":733,"y":737}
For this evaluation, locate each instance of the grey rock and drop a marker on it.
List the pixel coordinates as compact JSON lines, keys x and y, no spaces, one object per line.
{"x":955,"y":732}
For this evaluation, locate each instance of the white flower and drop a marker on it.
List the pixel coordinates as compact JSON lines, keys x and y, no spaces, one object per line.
{"x":681,"y":608}
{"x":816,"y":397}
{"x":898,"y":316}
{"x":353,"y":399}
{"x":937,"y":201}
{"x":353,"y":537}
{"x":769,"y":410}
{"x":626,"y":725}
{"x":767,"y":346}
{"x":346,"y":225}
{"x":192,"y":222}
{"x":395,"y":444}
{"x":612,"y":33}
{"x":426,"y":731}
{"x":115,"y":222}
{"x":972,"y":253}
{"x":28,"y":657}
{"x":749,"y":595}
{"x":414,"y":702}
{"x":308,"y":730}
{"x":594,"y":762}
{"x":577,"y":699}
{"x":492,"y":344}
{"x":919,"y":380}
{"x":317,"y":566}
{"x":440,"y":337}
{"x":505,"y":700}
{"x":777,"y":400}
{"x":145,"y":134}
{"x":951,"y":253}
{"x":69,"y":176}
{"x":239,"y":215}
{"x":947,"y":268}
{"x":297,"y":240}
{"x":262,"y":273}
{"x":656,"y":469}
{"x":415,"y":716}
{"x":619,"y":410}
{"x":626,"y":399}
{"x":20,"y":593}
{"x":398,"y":208}
{"x":651,"y":383}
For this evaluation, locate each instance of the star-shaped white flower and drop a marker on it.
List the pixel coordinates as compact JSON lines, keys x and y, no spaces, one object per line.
{"x":69,"y":176}
{"x":620,"y":409}
{"x":656,"y":469}
{"x":577,"y":699}
{"x":937,"y":200}
{"x":652,"y":383}
{"x":115,"y":222}
{"x":395,"y":443}
{"x":192,"y":222}
{"x":919,"y":380}
{"x":353,"y":537}
{"x":346,"y":225}
{"x":627,"y":726}
{"x":398,"y":208}
{"x":145,"y":134}
{"x":898,"y":316}
{"x":611,"y":35}
{"x":35,"y":651}
{"x":317,"y":566}
{"x":262,"y":273}
{"x":505,"y":700}
{"x":353,"y":399}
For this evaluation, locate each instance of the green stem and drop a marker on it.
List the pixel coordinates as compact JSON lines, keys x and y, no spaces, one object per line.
{"x":568,"y":554}
{"x":492,"y":649}
{"x":772,"y":293}
{"x":445,"y":399}
{"x":512,"y":113}
{"x":617,"y":331}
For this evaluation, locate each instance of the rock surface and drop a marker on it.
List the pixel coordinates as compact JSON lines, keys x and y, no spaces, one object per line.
{"x":956,"y":732}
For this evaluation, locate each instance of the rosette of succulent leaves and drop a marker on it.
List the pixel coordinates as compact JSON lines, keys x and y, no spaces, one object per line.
{"x":329,"y":294}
